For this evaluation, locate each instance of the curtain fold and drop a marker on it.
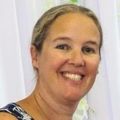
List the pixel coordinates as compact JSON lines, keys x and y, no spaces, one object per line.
{"x":106,"y":94}
{"x":11,"y":71}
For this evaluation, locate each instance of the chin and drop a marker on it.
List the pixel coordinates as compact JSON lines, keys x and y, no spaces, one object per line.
{"x":74,"y":97}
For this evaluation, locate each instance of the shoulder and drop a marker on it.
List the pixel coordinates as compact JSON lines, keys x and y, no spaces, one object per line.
{"x":6,"y":116}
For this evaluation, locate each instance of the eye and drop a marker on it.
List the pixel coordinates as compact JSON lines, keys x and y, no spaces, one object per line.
{"x":63,"y":46}
{"x":88,"y":50}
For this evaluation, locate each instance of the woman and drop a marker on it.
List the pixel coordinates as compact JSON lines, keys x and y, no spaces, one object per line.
{"x":65,"y":52}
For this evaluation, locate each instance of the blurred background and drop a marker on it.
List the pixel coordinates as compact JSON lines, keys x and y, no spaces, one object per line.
{"x":17,"y":18}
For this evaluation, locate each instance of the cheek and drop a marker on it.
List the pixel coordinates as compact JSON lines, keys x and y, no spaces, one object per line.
{"x":92,"y":70}
{"x":93,"y":67}
{"x":56,"y":62}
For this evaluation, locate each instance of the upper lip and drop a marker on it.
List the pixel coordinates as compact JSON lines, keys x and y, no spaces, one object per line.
{"x":78,"y":72}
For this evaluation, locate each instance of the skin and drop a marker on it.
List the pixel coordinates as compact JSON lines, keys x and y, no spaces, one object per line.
{"x":71,"y":47}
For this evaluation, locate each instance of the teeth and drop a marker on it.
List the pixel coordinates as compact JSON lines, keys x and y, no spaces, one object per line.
{"x":74,"y":77}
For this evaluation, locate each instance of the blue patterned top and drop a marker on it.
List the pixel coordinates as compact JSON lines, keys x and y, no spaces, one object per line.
{"x":16,"y":111}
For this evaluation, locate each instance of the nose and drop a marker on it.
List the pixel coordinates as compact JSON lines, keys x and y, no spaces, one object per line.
{"x":77,"y":59}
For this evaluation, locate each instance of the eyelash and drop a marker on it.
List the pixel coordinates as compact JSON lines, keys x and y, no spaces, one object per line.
{"x":85,"y":50}
{"x":63,"y":47}
{"x":88,"y":50}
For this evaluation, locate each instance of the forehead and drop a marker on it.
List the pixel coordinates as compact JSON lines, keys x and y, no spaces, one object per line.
{"x":74,"y":22}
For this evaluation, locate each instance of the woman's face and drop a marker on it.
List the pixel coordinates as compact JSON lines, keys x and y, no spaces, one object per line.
{"x":68,"y":62}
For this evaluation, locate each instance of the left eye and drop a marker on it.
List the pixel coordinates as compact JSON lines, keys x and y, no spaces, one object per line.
{"x":63,"y":47}
{"x":88,"y":50}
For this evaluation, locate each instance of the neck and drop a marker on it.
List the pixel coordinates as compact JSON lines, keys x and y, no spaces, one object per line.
{"x":51,"y":109}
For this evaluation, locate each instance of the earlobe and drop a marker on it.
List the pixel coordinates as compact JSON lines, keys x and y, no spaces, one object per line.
{"x":34,"y":56}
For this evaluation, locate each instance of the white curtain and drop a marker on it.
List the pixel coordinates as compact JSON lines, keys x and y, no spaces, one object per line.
{"x":105,"y":95}
{"x":17,"y":18}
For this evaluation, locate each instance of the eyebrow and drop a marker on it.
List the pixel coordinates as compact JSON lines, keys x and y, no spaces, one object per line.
{"x":62,"y":38}
{"x":69,"y":39}
{"x":92,"y":43}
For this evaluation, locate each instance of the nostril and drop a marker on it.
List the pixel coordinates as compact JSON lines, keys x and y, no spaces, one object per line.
{"x":77,"y":59}
{"x":75,"y":62}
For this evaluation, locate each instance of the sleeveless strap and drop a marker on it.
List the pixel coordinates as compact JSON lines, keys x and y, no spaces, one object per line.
{"x":16,"y":111}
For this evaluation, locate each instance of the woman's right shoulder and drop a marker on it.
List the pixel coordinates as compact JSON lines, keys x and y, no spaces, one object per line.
{"x":6,"y":116}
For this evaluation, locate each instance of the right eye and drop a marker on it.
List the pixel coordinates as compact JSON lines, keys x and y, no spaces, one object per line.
{"x":63,"y":47}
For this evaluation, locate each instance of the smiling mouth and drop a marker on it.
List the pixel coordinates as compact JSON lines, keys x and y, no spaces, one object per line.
{"x":72,"y":76}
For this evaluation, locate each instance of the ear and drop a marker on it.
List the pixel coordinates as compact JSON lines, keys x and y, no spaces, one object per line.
{"x":34,"y":56}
